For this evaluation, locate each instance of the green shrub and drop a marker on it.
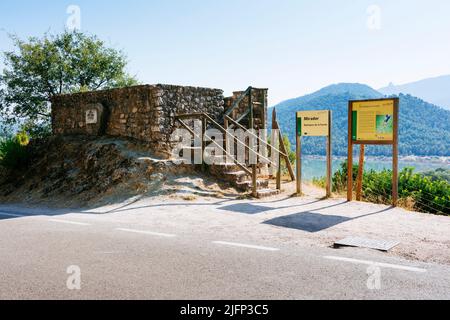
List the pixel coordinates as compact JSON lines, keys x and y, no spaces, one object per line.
{"x":13,"y":151}
{"x":428,"y":194}
{"x":320,"y":182}
{"x":291,"y":155}
{"x":438,"y":174}
{"x":36,"y":130}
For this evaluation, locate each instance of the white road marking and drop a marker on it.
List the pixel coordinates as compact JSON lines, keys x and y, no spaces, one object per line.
{"x":12,"y":215}
{"x":241,"y":245}
{"x":69,"y":222}
{"x":157,"y":234}
{"x":106,"y":252}
{"x":378,"y":264}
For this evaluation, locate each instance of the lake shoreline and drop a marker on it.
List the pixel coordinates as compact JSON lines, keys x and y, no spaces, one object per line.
{"x":315,"y":166}
{"x":420,"y":159}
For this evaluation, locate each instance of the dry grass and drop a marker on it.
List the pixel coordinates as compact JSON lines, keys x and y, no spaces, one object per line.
{"x":189,"y":197}
{"x":407,"y":203}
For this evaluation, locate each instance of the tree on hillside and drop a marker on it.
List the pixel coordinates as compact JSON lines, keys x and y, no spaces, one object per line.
{"x":40,"y":68}
{"x":3,"y":130}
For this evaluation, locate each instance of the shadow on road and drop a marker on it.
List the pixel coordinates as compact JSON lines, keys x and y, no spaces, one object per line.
{"x":16,"y":211}
{"x":250,"y":208}
{"x":308,"y":221}
{"x":247,"y":208}
{"x":314,"y":222}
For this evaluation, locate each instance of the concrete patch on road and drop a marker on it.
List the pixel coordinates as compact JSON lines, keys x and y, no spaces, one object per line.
{"x":311,"y":222}
{"x":381,"y":245}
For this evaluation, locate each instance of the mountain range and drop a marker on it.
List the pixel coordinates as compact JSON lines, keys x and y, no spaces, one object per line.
{"x":424,"y":127}
{"x":434,"y":90}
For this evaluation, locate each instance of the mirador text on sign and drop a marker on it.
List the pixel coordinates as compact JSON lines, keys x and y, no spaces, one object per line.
{"x":313,"y":123}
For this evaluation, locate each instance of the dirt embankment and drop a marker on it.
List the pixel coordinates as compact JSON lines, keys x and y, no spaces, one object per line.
{"x":82,"y":171}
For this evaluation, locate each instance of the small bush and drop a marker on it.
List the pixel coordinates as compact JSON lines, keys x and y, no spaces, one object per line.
{"x":428,"y":194}
{"x":36,"y":130}
{"x":291,"y":155}
{"x":320,"y":182}
{"x":13,"y":151}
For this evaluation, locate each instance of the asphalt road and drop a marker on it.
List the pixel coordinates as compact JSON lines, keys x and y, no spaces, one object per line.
{"x":179,"y":251}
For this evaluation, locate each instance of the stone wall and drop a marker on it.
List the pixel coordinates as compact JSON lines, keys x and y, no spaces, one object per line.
{"x":260,"y":109}
{"x":145,"y":113}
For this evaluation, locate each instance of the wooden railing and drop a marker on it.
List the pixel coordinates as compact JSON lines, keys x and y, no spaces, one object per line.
{"x":229,"y":122}
{"x":264,"y":142}
{"x":284,"y":154}
{"x":204,"y":117}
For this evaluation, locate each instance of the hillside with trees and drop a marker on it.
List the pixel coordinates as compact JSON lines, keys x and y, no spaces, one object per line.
{"x":424,"y":127}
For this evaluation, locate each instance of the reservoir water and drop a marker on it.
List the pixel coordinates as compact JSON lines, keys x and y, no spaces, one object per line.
{"x":315,"y":167}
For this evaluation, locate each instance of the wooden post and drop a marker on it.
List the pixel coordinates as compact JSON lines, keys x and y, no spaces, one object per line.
{"x":299,"y":158}
{"x":283,"y":149}
{"x":278,"y":135}
{"x":350,"y":154}
{"x":273,"y":169}
{"x":252,"y":152}
{"x":279,"y":172}
{"x":359,"y":182}
{"x":204,"y":125}
{"x":395,"y":155}
{"x":254,"y":182}
{"x":226,"y":140}
{"x":329,"y":156}
{"x":250,"y":106}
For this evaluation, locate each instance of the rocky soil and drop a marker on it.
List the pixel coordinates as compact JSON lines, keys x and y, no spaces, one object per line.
{"x":81,"y":171}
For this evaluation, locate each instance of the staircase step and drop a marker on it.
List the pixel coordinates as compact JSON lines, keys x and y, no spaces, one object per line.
{"x":227,"y":166}
{"x":237,"y":176}
{"x":266,"y":193}
{"x":216,"y":160}
{"x":220,"y":169}
{"x":192,"y":149}
{"x":248,"y":185}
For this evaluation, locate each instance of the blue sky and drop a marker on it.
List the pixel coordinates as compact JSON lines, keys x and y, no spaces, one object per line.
{"x":292,"y":47}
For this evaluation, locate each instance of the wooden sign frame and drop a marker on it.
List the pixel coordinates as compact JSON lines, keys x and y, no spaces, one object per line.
{"x":352,"y":142}
{"x":329,"y":154}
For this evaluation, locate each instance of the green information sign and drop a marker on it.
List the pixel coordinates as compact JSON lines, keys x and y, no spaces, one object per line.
{"x":299,"y":126}
{"x":373,"y":120}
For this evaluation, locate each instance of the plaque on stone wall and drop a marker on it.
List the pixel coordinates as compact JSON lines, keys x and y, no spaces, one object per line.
{"x":91,"y":116}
